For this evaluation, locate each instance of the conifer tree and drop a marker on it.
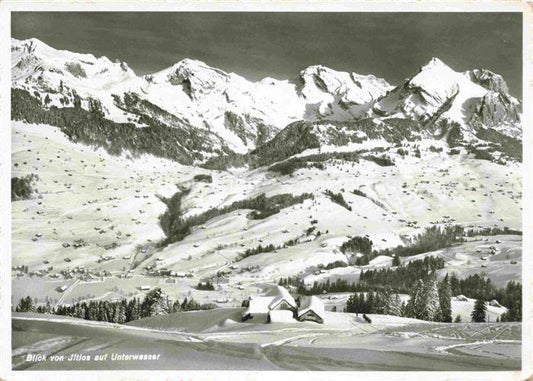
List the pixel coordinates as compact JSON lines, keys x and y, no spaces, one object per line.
{"x":102,"y":313}
{"x":48,"y":307}
{"x":184,"y":305}
{"x":415,"y":307}
{"x":445,"y":300}
{"x":155,"y":303}
{"x":395,"y":305}
{"x":431,"y":297}
{"x":25,"y":305}
{"x":121,"y":319}
{"x":133,"y":311}
{"x":454,"y":285}
{"x":369,"y":304}
{"x":479,"y":313}
{"x":176,"y":306}
{"x":396,"y":261}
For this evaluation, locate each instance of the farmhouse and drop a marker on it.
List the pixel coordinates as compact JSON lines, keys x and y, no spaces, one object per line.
{"x":259,"y":307}
{"x":312,"y":309}
{"x":278,"y":306}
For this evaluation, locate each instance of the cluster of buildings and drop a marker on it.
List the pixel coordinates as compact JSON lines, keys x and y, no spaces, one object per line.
{"x":164,"y":272}
{"x":278,"y":306}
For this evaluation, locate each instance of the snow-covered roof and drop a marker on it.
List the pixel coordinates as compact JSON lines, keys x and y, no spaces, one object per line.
{"x":314,"y":304}
{"x":280,"y":293}
{"x":263,"y":304}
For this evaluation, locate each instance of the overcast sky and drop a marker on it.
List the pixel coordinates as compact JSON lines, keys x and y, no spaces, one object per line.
{"x":279,"y":45}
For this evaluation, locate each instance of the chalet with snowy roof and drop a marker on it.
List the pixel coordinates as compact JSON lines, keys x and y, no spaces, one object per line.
{"x":260,"y":307}
{"x":282,"y":299}
{"x":312,"y":309}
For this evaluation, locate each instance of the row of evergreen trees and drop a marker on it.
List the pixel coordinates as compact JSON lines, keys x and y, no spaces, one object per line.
{"x":401,"y":278}
{"x":259,"y":249}
{"x":338,"y":199}
{"x":488,"y":231}
{"x":431,"y":239}
{"x":381,"y":302}
{"x":91,"y":128}
{"x":123,"y":311}
{"x":429,"y":300}
{"x":177,"y":227}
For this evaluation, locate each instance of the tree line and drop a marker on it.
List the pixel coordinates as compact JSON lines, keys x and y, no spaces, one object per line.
{"x":123,"y":311}
{"x":431,"y":239}
{"x":176,"y":228}
{"x":418,"y":279}
{"x":402,"y":278}
{"x":488,"y":231}
{"x":91,"y":128}
{"x":429,"y":300}
{"x":338,"y":199}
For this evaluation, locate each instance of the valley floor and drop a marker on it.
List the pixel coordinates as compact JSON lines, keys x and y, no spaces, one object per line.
{"x":110,"y":205}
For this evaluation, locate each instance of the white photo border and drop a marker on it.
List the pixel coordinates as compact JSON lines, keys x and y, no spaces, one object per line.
{"x":8,"y":6}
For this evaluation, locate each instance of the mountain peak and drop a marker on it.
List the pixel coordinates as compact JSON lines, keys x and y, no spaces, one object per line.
{"x":435,"y":63}
{"x":192,"y":69}
{"x":30,"y":44}
{"x":191,"y":63}
{"x":316,"y":69}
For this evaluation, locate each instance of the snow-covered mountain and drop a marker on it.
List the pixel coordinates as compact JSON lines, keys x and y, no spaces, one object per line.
{"x":241,"y":112}
{"x":475,"y":98}
{"x":231,"y":114}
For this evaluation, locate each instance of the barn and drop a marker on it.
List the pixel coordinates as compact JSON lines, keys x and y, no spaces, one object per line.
{"x":312,"y":309}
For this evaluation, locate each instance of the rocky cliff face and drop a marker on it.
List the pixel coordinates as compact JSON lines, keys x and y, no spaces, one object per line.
{"x":500,"y":111}
{"x":488,"y":80}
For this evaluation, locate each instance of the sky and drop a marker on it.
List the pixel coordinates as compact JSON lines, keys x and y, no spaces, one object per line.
{"x":279,"y":45}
